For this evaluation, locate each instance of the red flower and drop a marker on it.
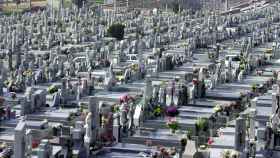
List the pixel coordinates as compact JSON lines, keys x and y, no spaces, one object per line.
{"x":210,"y":141}
{"x":35,"y":144}
{"x":195,"y":81}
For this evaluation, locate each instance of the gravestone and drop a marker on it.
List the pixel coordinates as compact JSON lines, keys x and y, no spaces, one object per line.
{"x":19,"y":145}
{"x":94,"y":109}
{"x":240,"y":134}
{"x":45,"y":150}
{"x":116,"y":127}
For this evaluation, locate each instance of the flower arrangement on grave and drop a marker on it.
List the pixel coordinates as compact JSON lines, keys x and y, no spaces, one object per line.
{"x":227,"y":153}
{"x":201,"y":124}
{"x":172,"y":111}
{"x":195,"y":81}
{"x":82,"y":105}
{"x":235,"y":154}
{"x":217,"y":108}
{"x":134,"y":67}
{"x":189,"y":133}
{"x":27,"y":73}
{"x":6,"y":82}
{"x":210,"y":55}
{"x":173,"y":125}
{"x":115,"y":108}
{"x":254,"y":87}
{"x":124,"y":98}
{"x":210,"y":141}
{"x":157,"y":111}
{"x":35,"y":143}
{"x":203,"y":147}
{"x":52,"y":89}
{"x":184,"y":141}
{"x":242,"y":66}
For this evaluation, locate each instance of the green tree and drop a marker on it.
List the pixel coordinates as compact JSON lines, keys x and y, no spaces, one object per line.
{"x":176,"y":8}
{"x":116,"y":30}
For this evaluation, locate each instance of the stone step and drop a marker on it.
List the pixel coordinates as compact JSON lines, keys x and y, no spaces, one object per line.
{"x":164,"y":141}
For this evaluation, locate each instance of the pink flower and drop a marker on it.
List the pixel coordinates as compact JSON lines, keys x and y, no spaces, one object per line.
{"x":210,"y":141}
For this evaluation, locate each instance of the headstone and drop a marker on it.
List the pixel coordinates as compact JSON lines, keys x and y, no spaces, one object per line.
{"x":19,"y":145}
{"x":190,"y":150}
{"x":254,"y":103}
{"x":94,"y":109}
{"x":275,"y":102}
{"x":192,"y":94}
{"x":45,"y":150}
{"x":252,"y":123}
{"x":240,"y":134}
{"x":116,"y":127}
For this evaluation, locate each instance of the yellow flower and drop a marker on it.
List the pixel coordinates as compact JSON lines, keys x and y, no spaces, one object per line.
{"x":217,"y":108}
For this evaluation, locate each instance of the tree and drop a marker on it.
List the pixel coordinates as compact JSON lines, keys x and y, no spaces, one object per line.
{"x":116,"y":31}
{"x":176,"y":8}
{"x":79,"y":3}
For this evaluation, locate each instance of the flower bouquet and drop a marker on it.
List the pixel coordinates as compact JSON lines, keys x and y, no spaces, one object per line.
{"x":226,"y":153}
{"x":254,"y":87}
{"x":115,"y":108}
{"x":217,"y":108}
{"x":126,"y":98}
{"x":173,"y":125}
{"x":201,"y":124}
{"x":52,"y":89}
{"x":27,"y":72}
{"x":184,"y":141}
{"x":172,"y":111}
{"x":195,"y":81}
{"x":157,"y":111}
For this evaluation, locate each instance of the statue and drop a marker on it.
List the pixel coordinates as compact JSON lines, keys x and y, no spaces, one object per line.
{"x":88,"y":125}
